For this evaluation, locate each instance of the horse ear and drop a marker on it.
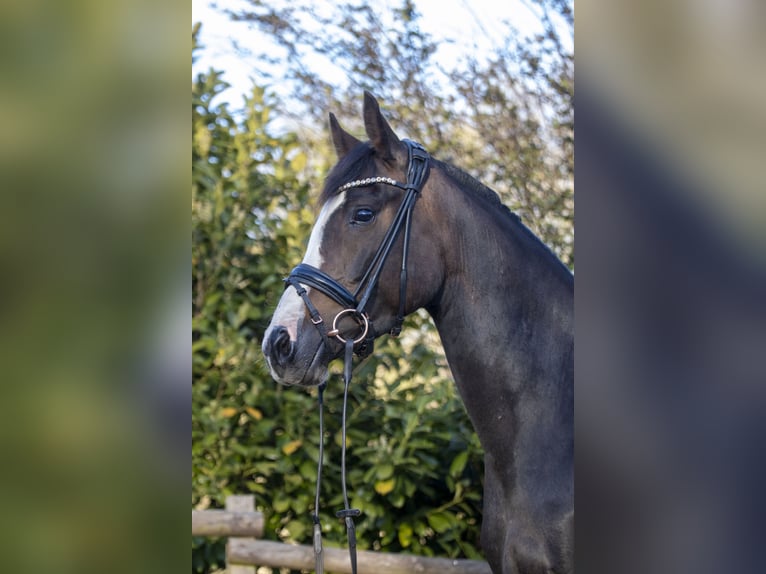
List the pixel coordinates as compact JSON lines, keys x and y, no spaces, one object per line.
{"x":383,"y":139}
{"x":341,"y":139}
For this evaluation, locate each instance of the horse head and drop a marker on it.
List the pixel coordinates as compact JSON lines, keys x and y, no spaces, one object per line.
{"x":373,"y":255}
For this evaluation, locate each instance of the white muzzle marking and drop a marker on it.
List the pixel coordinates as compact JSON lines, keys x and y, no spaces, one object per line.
{"x":291,"y":309}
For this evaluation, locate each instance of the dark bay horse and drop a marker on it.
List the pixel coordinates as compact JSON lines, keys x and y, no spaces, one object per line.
{"x":398,"y":231}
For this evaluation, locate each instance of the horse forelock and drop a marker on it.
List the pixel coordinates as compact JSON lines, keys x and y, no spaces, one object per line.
{"x":349,"y":168}
{"x":357,"y":162}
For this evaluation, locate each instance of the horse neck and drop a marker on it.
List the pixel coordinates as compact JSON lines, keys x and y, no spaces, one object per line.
{"x":505,"y":316}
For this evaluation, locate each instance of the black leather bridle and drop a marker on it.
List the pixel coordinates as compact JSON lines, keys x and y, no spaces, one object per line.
{"x":355,"y":306}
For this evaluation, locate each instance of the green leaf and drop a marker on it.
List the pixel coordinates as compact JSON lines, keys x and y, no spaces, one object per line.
{"x":385,"y":471}
{"x":296,"y":528}
{"x":458,"y":464}
{"x":281,"y":504}
{"x":441,"y":521}
{"x":405,"y":535}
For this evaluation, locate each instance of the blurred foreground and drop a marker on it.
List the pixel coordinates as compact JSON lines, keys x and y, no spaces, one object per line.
{"x":671,"y":316}
{"x":94,"y":319}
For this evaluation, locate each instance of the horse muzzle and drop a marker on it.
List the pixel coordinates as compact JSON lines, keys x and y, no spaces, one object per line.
{"x":300,"y":362}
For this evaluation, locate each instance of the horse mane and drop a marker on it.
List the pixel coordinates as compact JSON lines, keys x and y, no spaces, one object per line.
{"x":349,"y":168}
{"x":497,"y":208}
{"x":478,"y":189}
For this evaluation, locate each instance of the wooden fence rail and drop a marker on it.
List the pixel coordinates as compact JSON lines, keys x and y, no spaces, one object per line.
{"x":226,"y":523}
{"x":267,"y":553}
{"x":243,"y":525}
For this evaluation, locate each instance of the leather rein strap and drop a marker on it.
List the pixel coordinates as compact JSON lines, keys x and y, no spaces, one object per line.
{"x":355,"y":305}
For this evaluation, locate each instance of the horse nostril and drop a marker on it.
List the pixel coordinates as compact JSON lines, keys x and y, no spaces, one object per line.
{"x":281,"y":346}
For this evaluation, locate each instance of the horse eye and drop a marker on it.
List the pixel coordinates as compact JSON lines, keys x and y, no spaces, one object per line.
{"x":363,"y":215}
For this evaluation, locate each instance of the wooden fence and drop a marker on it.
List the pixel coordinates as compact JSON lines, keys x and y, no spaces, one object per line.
{"x":244,"y":551}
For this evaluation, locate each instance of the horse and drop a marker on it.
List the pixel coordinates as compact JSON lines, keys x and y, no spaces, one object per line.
{"x":398,"y":231}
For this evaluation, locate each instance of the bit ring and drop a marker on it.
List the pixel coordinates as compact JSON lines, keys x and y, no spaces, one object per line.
{"x":361,"y":318}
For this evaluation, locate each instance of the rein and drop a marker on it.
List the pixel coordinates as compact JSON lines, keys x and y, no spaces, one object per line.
{"x":355,"y":306}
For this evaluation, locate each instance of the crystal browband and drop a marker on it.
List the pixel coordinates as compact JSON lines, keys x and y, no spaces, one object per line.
{"x":368,"y":181}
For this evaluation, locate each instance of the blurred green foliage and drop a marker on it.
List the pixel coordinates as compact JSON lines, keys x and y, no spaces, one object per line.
{"x":93,"y":245}
{"x":414,"y":463}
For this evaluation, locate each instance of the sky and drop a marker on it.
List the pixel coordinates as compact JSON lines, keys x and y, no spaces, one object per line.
{"x":475,"y":25}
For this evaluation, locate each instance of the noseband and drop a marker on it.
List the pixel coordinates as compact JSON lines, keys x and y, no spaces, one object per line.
{"x":355,"y":306}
